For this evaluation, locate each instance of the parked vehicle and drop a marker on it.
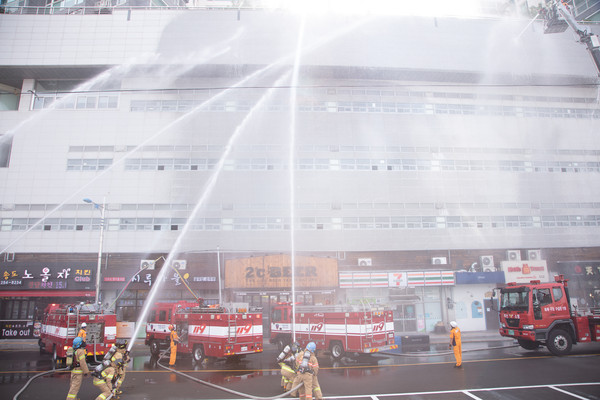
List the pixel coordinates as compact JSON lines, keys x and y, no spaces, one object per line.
{"x":205,"y":331}
{"x":62,"y":322}
{"x":540,"y":314}
{"x":360,"y":329}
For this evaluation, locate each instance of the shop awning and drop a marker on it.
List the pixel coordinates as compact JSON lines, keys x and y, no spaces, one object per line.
{"x":47,"y":293}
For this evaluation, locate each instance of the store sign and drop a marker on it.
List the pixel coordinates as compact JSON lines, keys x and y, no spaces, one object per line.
{"x":590,"y":270}
{"x":395,"y":279}
{"x":16,"y":329}
{"x":525,"y":271}
{"x":276,"y":272}
{"x":46,"y":276}
{"x":145,"y":279}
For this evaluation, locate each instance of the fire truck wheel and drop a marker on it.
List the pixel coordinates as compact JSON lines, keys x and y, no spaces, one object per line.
{"x":337,"y":350}
{"x":154,"y":348}
{"x":559,"y":342}
{"x":55,"y":359}
{"x":528,"y":344}
{"x":198,"y":353}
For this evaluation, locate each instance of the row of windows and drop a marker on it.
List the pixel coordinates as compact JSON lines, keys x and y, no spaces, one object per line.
{"x":335,"y":149}
{"x":45,"y":97}
{"x":307,"y":206}
{"x":79,"y":102}
{"x":369,"y":107}
{"x":362,"y":164}
{"x":304,"y":223}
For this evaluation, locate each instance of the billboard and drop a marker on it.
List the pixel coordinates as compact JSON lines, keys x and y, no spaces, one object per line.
{"x":523,"y":271}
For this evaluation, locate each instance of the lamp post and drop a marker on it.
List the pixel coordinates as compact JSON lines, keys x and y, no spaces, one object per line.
{"x":102,"y":208}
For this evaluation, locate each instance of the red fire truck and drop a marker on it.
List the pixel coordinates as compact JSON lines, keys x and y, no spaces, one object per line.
{"x":350,"y":329}
{"x":204,"y":331}
{"x":539,"y":314}
{"x":61,"y":324}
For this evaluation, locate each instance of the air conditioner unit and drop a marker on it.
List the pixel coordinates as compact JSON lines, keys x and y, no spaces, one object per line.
{"x":439,"y":260}
{"x":534,"y":255}
{"x":9,"y":257}
{"x":147,"y":264}
{"x":513,"y":255}
{"x":179,"y":264}
{"x":365,"y":262}
{"x":487,"y":263}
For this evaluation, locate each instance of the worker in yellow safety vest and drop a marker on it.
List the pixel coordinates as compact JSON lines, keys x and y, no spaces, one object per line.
{"x":174,"y":342}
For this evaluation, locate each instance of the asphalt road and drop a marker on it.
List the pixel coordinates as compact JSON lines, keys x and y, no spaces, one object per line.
{"x":488,"y":373}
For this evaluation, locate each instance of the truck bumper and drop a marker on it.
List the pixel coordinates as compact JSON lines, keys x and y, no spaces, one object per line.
{"x":518,"y":333}
{"x":380,"y":348}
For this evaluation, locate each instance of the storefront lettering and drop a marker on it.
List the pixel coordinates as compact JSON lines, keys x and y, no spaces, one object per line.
{"x":280,"y":272}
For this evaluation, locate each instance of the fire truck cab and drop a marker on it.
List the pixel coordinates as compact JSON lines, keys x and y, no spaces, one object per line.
{"x":61,"y":324}
{"x":537,"y":314}
{"x":204,"y":331}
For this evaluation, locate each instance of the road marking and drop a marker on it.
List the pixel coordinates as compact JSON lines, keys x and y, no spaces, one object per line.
{"x":467,"y":391}
{"x":569,"y":393}
{"x":374,"y":398}
{"x":471,"y":395}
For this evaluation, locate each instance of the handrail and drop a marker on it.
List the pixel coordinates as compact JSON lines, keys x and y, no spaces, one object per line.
{"x":101,"y":10}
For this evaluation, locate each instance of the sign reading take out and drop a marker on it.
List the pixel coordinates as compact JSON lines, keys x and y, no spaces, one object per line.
{"x":276,"y":272}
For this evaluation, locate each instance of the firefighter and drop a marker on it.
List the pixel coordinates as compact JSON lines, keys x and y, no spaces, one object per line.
{"x":124,"y":354}
{"x":455,"y":343}
{"x":103,"y":379}
{"x":82,"y":332}
{"x":287,"y":362}
{"x":174,"y":343}
{"x":79,"y":368}
{"x":308,"y":368}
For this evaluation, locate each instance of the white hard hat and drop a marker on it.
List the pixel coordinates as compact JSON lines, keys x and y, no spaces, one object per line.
{"x":83,"y":324}
{"x":453,"y":324}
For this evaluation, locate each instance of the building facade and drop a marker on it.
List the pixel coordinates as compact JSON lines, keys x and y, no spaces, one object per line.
{"x":210,"y":136}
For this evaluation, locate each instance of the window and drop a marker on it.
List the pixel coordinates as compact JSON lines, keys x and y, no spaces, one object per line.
{"x":557,"y":293}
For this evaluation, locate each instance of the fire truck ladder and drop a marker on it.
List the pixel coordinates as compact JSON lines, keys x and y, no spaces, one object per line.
{"x":368,"y":319}
{"x":232,"y":324}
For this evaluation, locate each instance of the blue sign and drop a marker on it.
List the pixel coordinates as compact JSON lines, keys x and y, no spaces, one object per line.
{"x":466,"y":278}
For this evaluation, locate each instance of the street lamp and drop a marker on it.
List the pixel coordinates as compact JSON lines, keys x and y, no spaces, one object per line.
{"x":102,"y":208}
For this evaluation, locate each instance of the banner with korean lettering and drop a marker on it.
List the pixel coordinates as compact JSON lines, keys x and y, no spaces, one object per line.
{"x":196,"y":278}
{"x":50,"y":276}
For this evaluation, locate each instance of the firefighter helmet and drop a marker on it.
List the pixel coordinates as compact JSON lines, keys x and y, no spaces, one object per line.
{"x":453,"y":324}
{"x":77,"y":343}
{"x":311,"y":347}
{"x":171,"y":327}
{"x":121,"y":343}
{"x":83,"y":325}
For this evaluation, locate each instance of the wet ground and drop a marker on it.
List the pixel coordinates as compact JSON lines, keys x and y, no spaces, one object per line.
{"x":491,"y":370}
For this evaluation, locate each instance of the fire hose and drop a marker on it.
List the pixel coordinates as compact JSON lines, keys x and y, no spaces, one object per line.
{"x":52,"y":371}
{"x":244,"y":395}
{"x":445,"y":353}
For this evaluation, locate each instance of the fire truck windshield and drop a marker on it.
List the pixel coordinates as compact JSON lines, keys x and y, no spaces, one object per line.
{"x":516,"y":299}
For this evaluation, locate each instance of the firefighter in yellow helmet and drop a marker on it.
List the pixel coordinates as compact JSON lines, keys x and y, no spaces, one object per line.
{"x":308,"y":369}
{"x":120,"y":375}
{"x":82,"y":331}
{"x":455,"y":343}
{"x":104,"y":379}
{"x":79,"y":368}
{"x":174,"y":342}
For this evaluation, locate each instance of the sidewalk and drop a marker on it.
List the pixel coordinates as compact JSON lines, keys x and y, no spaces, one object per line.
{"x":470,"y":337}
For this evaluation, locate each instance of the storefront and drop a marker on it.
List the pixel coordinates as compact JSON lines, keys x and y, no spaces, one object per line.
{"x":584,"y":282}
{"x":473,"y":307}
{"x":264,"y":281}
{"x":134,"y":287}
{"x":26,"y":290}
{"x":418,"y":298}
